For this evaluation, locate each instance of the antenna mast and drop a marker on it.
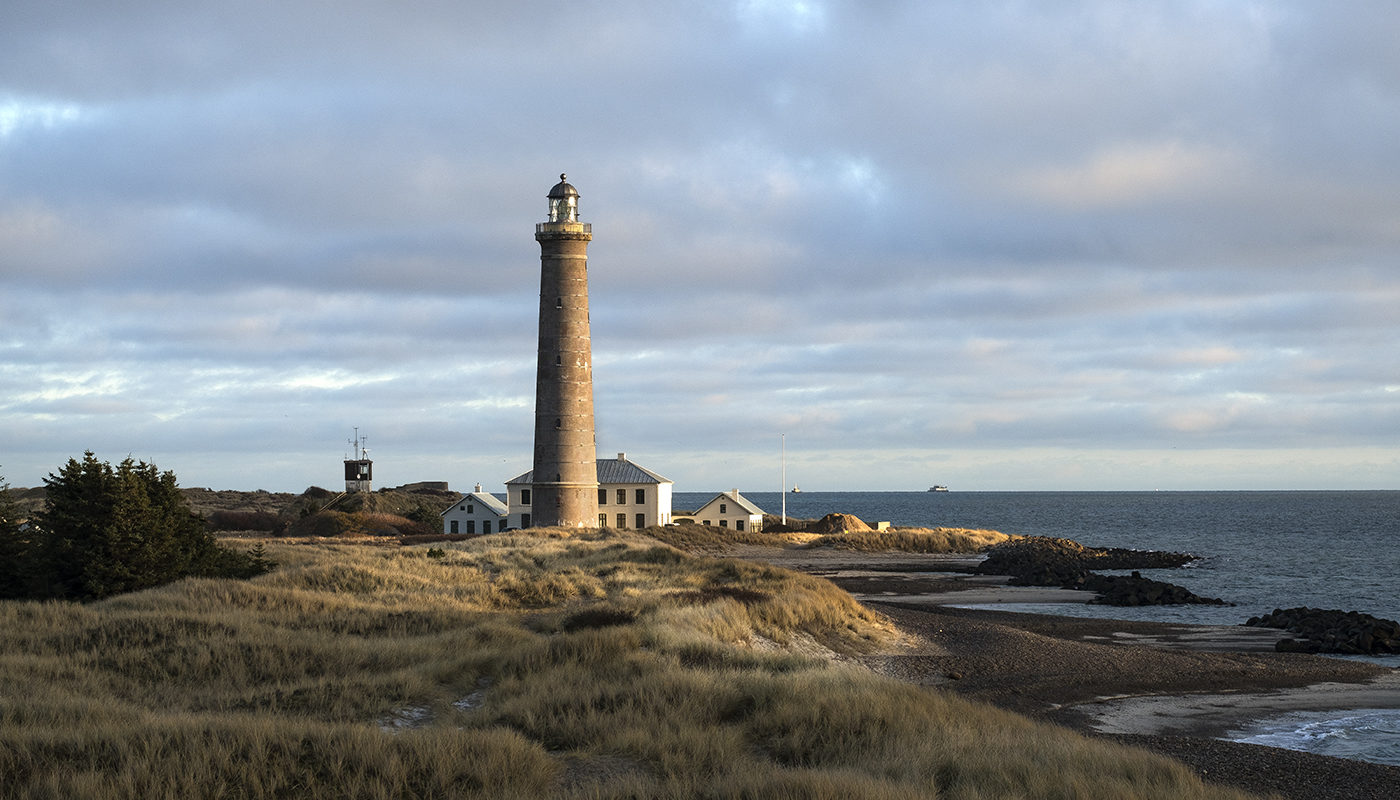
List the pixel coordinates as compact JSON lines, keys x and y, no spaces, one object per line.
{"x":358,"y":444}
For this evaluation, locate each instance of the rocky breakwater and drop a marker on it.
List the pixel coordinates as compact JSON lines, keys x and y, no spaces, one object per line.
{"x":1330,"y":631}
{"x":1047,"y":561}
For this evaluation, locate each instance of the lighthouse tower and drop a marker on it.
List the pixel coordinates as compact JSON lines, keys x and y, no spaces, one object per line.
{"x":565,"y":479}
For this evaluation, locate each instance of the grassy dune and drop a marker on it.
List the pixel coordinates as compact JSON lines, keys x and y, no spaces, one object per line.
{"x":548,"y":665}
{"x":913,"y":540}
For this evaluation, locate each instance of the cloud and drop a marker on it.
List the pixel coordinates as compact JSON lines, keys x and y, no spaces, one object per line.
{"x":1127,"y":174}
{"x":984,"y":236}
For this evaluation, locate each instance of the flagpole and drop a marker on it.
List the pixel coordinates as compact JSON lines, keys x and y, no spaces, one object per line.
{"x":783,"y":489}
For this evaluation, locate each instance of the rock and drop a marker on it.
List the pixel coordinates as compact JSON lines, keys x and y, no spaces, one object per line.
{"x":1046,"y":561}
{"x":1331,"y":631}
{"x":1135,"y":590}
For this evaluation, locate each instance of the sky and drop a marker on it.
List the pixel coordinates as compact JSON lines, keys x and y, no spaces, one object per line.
{"x":848,"y":245}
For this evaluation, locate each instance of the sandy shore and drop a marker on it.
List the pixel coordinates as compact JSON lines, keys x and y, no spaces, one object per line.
{"x":1215,"y":714}
{"x":1170,"y":688}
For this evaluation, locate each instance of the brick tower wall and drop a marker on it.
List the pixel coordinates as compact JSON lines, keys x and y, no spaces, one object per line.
{"x":565,"y":468}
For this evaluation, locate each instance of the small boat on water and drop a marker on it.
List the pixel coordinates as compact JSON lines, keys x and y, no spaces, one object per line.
{"x":938,"y":488}
{"x":795,"y":489}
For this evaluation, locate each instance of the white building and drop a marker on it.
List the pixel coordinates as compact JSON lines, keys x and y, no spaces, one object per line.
{"x":477,"y":512}
{"x":629,"y":496}
{"x":730,"y":510}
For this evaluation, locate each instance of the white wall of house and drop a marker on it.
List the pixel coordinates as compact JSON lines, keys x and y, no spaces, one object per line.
{"x":639,"y":502}
{"x":475,"y":513}
{"x":518,"y":500}
{"x":634,"y":505}
{"x":730,"y":510}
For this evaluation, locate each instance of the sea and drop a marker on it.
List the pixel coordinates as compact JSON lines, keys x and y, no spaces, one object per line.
{"x":1257,"y":550}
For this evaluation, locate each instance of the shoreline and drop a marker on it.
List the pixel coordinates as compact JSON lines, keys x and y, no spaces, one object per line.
{"x":1165,"y":686}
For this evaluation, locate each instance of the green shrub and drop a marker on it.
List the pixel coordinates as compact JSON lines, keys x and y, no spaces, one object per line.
{"x":106,"y":530}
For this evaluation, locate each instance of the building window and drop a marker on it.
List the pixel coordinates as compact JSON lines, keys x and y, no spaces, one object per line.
{"x":738,"y":524}
{"x":641,"y":496}
{"x":621,"y":520}
{"x":471,"y":509}
{"x":525,"y":498}
{"x":622,"y":497}
{"x":471,"y":526}
{"x":461,"y":508}
{"x":486,"y":526}
{"x":524,"y":520}
{"x":602,"y":519}
{"x":641,"y":520}
{"x":558,"y":302}
{"x":603,"y":498}
{"x":723,"y":508}
{"x":454,"y":526}
{"x":724,"y":523}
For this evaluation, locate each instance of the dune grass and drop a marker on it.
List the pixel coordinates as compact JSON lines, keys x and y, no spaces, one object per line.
{"x":550,"y":664}
{"x":913,"y":540}
{"x":696,"y":538}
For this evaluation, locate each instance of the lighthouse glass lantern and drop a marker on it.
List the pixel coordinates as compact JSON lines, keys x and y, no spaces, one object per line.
{"x":563,"y":202}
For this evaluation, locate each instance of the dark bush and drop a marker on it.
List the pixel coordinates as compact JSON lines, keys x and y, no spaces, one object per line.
{"x":597,"y":618}
{"x":246,"y":521}
{"x":106,"y":530}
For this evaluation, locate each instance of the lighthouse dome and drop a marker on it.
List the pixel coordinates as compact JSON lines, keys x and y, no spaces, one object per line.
{"x":563,"y":201}
{"x":562,"y":188}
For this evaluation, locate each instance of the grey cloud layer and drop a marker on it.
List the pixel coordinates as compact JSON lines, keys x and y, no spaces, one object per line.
{"x":228,"y":232}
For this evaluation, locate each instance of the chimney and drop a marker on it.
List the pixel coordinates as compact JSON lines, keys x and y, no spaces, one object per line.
{"x":478,"y":487}
{"x":621,"y":456}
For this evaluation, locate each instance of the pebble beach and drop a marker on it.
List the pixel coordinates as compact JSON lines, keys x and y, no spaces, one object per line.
{"x":1168,"y":687}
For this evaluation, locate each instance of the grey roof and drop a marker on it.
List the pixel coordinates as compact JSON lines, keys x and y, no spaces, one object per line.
{"x":610,"y":470}
{"x":489,"y":500}
{"x":738,"y":500}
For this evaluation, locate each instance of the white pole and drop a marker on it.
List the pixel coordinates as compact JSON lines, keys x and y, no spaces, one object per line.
{"x":783,"y":489}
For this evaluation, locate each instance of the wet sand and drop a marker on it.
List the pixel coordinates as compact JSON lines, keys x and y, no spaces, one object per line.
{"x":1166,"y":687}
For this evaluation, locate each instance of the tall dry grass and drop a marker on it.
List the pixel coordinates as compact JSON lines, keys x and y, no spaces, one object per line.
{"x":567,"y":665}
{"x":913,"y":540}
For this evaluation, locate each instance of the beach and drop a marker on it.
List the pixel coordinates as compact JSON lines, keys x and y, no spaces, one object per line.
{"x":1167,"y":687}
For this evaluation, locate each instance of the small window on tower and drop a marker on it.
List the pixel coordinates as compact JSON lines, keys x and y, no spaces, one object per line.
{"x":558,"y":302}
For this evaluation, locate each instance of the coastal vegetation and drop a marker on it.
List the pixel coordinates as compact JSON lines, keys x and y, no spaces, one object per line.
{"x":104,"y":530}
{"x":547,"y":664}
{"x":912,"y":540}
